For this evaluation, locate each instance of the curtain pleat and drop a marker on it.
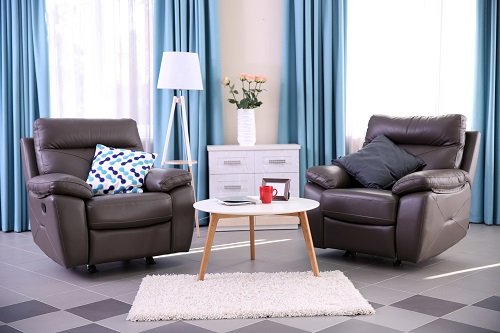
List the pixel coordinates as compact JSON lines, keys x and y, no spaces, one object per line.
{"x":190,"y":26}
{"x":312,"y":101}
{"x":486,"y":116}
{"x":24,"y":96}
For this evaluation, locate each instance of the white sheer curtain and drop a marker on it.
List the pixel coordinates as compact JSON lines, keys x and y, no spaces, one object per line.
{"x":408,"y":57}
{"x":99,"y":55}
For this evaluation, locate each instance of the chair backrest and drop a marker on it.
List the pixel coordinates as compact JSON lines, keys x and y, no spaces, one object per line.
{"x":68,"y":145}
{"x":438,"y":140}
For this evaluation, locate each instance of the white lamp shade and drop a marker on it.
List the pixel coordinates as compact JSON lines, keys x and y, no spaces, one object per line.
{"x":180,"y":70}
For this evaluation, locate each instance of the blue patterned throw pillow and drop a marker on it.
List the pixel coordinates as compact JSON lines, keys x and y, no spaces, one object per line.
{"x":116,"y":170}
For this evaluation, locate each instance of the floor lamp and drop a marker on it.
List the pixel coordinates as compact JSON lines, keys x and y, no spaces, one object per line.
{"x":180,"y":71}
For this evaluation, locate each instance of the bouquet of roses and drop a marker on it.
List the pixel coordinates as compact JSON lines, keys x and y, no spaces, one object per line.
{"x":251,"y":87}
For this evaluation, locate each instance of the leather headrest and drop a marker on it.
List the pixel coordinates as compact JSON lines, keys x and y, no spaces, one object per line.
{"x":419,"y":130}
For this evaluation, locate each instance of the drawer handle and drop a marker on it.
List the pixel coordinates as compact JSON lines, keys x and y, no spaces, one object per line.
{"x":232,"y":187}
{"x":277,"y":161}
{"x":232,"y":162}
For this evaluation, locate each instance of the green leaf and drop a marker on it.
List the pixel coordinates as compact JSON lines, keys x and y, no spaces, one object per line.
{"x":244,"y":104}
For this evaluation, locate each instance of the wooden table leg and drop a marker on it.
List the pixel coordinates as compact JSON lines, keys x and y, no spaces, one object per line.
{"x":252,"y":237}
{"x":309,"y":244}
{"x":214,"y":218}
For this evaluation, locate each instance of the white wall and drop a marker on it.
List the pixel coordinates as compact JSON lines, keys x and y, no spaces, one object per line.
{"x":251,"y":42}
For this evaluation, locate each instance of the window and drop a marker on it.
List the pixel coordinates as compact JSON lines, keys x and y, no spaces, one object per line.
{"x":412,"y":57}
{"x":99,"y":57}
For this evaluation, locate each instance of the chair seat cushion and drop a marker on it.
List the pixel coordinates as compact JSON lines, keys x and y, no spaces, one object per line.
{"x":360,"y":205}
{"x":133,"y":210}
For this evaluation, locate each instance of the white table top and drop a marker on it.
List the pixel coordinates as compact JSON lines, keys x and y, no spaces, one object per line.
{"x":293,"y":205}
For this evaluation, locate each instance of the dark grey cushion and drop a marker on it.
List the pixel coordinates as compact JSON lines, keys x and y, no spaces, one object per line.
{"x":380,"y":163}
{"x":59,"y":183}
{"x":439,"y":181}
{"x":164,"y":180}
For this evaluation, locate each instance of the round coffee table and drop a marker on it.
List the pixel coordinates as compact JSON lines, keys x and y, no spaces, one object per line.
{"x":292,"y":207}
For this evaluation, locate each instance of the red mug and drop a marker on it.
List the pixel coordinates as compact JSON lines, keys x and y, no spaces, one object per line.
{"x":267,"y":193}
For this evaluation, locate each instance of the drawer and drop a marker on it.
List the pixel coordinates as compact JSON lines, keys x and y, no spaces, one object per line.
{"x":226,"y":162}
{"x":293,"y":176}
{"x":229,"y":185}
{"x":267,"y":161}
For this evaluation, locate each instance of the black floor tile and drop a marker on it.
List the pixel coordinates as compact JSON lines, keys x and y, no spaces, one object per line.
{"x":178,"y":327}
{"x":376,"y":305}
{"x":267,"y":326}
{"x":447,"y":326}
{"x":24,"y":310}
{"x":101,"y":310}
{"x":8,"y":329}
{"x":91,"y":328}
{"x":428,"y":305}
{"x":492,"y":303}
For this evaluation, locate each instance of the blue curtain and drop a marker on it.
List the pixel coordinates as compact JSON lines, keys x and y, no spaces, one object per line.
{"x":486,"y":117}
{"x":312,"y":101}
{"x":24,"y":97}
{"x":190,"y":26}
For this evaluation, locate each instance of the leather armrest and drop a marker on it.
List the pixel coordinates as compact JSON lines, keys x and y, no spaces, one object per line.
{"x":59,"y":183}
{"x":164,"y":180}
{"x":438,"y":181}
{"x":328,"y":176}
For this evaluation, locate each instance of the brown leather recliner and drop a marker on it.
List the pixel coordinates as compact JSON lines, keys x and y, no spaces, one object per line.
{"x":73,"y":227}
{"x":424,"y":213}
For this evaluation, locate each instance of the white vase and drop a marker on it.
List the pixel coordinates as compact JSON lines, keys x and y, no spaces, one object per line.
{"x":246,"y":127}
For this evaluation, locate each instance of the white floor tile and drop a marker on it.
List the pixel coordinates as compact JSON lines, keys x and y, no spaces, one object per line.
{"x":385,"y":296}
{"x":311,"y":324}
{"x":224,"y":325}
{"x":477,"y":316}
{"x":72,"y":299}
{"x":120,"y":324}
{"x":398,"y":319}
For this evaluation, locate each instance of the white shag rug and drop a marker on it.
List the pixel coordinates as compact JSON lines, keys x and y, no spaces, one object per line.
{"x":247,"y":295}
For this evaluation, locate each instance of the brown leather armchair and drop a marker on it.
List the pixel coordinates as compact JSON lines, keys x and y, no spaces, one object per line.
{"x":73,"y":227}
{"x":422,"y":215}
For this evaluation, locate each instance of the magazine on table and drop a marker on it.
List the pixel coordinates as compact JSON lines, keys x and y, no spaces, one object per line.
{"x":237,"y":200}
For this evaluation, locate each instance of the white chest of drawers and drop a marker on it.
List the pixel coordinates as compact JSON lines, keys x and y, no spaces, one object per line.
{"x":238,"y":170}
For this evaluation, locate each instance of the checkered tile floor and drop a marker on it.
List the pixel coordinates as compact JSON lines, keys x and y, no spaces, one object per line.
{"x":458,"y":291}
